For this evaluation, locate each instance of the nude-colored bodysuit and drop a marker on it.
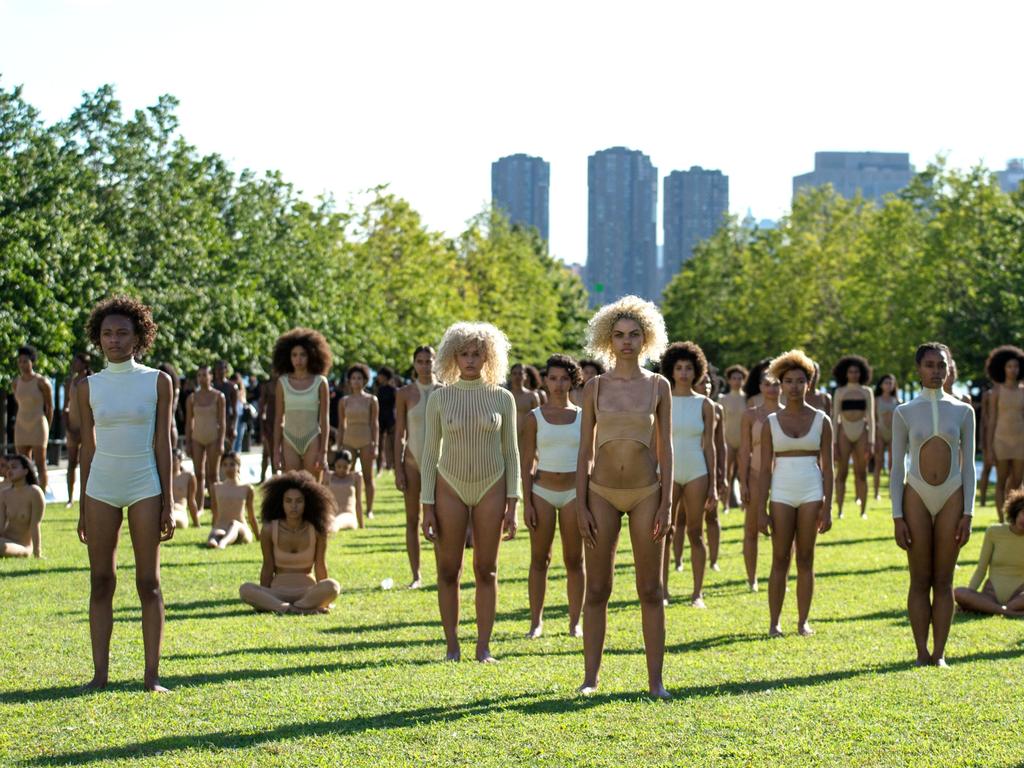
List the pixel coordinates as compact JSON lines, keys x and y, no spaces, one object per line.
{"x":31,"y":427}
{"x":1008,"y":440}
{"x":230,"y":503}
{"x":344,"y":492}
{"x":733,"y":405}
{"x":204,"y":422}
{"x":357,"y":424}
{"x":415,"y":422}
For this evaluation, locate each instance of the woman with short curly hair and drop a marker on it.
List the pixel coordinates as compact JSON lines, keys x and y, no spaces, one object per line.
{"x":1005,"y":431}
{"x":296,"y":513}
{"x":470,"y":471}
{"x":854,"y":404}
{"x":301,"y":429}
{"x":34,"y":396}
{"x":125,"y":417}
{"x":796,"y":468}
{"x":617,"y":473}
{"x":359,"y":427}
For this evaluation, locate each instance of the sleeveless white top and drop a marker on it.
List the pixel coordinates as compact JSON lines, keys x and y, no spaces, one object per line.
{"x":558,"y":445}
{"x":781,"y":442}
{"x":123,"y":399}
{"x":687,"y":422}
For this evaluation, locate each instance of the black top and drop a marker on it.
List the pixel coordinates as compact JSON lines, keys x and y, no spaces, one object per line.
{"x":386,"y":403}
{"x":854,"y":405}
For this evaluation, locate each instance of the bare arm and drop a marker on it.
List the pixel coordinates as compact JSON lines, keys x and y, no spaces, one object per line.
{"x":528,"y":460}
{"x":743,"y":458}
{"x":278,"y":424}
{"x":320,"y":558}
{"x":340,"y":439}
{"x":250,"y":510}
{"x":358,"y":483}
{"x":401,"y":404}
{"x":164,"y":398}
{"x":374,"y":421}
{"x":86,"y":451}
{"x":710,"y":453}
{"x":222,"y":420}
{"x":827,"y":467}
{"x":47,"y":390}
{"x":584,"y":463}
{"x":764,"y":476}
{"x":325,"y":426}
{"x":871,"y":416}
{"x":663,"y":414}
{"x":38,"y":505}
{"x":993,"y":412}
{"x":267,"y":545}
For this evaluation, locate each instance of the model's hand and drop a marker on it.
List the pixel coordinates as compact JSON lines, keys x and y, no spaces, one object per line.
{"x":662,"y":523}
{"x":764,"y":523}
{"x":744,"y":493}
{"x":825,"y":518}
{"x":963,"y":531}
{"x":82,"y":537}
{"x":902,"y":532}
{"x":587,"y":525}
{"x":429,"y":523}
{"x":510,"y":524}
{"x":400,"y":478}
{"x":278,"y":459}
{"x":529,"y":515}
{"x":711,"y":502}
{"x":166,"y":523}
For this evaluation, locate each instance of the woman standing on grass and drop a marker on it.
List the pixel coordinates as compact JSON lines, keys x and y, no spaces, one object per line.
{"x":386,"y":392}
{"x":80,"y":370}
{"x":205,"y":427}
{"x":358,"y":427}
{"x":296,"y":513}
{"x":550,"y":443}
{"x":34,"y":396}
{"x":694,"y":494}
{"x":470,"y":471}
{"x":796,"y":469}
{"x":854,"y":404}
{"x":301,"y":430}
{"x":988,"y":460}
{"x":622,"y":449}
{"x":933,"y":500}
{"x":751,"y":434}
{"x":733,"y":403}
{"x":410,"y":431}
{"x":886,"y":401}
{"x":525,"y":392}
{"x":125,"y":413}
{"x":1005,"y":438}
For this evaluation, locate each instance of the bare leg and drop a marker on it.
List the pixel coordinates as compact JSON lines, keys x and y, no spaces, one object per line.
{"x":694,"y":494}
{"x":236,"y":532}
{"x":319,"y":597}
{"x":261,"y":598}
{"x":309,"y":461}
{"x":265,"y":460}
{"x":679,"y":522}
{"x":412,"y":519}
{"x":10,"y":548}
{"x":452,"y":521}
{"x":783,"y":534}
{"x":977,"y":602}
{"x":599,"y":563}
{"x":806,"y":537}
{"x":369,"y":480}
{"x":199,"y":467}
{"x":72,"y":467}
{"x":216,"y":534}
{"x":144,"y":526}
{"x":572,"y":556}
{"x":103,"y":524}
{"x":540,"y":559}
{"x":944,"y":553}
{"x":860,"y":472}
{"x":879,"y":456}
{"x":38,"y":454}
{"x":1003,"y":471}
{"x":647,"y":555}
{"x":842,"y":467}
{"x":986,"y":470}
{"x":731,"y":468}
{"x":487,"y":516}
{"x":292,"y":461}
{"x":920,"y":559}
{"x":714,"y":528}
{"x":750,"y":534}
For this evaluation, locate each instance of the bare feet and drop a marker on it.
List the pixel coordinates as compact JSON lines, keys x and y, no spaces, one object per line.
{"x":575,"y":630}
{"x":715,"y":566}
{"x":535,"y":631}
{"x":697,"y":601}
{"x":153,"y":686}
{"x":925,"y":661}
{"x":483,"y":655}
{"x":455,"y":655}
{"x":415,"y":584}
{"x":369,"y":514}
{"x":775,"y":631}
{"x":658,"y":692}
{"x":679,"y":566}
{"x":98,"y":683}
{"x":212,"y":543}
{"x":587,"y":689}
{"x":940,"y":662}
{"x":804,"y":630}
{"x":752,"y":585}
{"x":863,"y":515}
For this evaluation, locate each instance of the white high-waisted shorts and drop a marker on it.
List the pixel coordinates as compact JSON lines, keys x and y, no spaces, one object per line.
{"x":120,"y":481}
{"x":797,"y":480}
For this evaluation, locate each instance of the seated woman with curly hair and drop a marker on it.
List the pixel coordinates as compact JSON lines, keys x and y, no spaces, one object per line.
{"x":854,"y":405}
{"x":296,"y":514}
{"x":1004,"y":431}
{"x":1002,"y":558}
{"x":301,"y":430}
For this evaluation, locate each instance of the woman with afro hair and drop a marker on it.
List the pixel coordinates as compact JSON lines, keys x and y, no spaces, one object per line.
{"x":301,"y":430}
{"x":622,"y":449}
{"x":125,"y":419}
{"x":1004,"y":432}
{"x":296,"y":513}
{"x":854,"y":405}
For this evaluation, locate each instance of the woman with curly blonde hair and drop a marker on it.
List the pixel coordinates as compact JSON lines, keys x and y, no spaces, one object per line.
{"x":796,"y":466}
{"x":301,"y":429}
{"x":617,"y":473}
{"x":470,"y":471}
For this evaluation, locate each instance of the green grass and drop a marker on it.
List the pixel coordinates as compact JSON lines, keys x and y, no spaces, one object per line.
{"x":365,"y":685}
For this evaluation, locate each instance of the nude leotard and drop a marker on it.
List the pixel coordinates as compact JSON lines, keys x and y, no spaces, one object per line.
{"x":123,"y":400}
{"x":357,"y":426}
{"x":733,"y":404}
{"x":415,"y":422}
{"x":31,"y":427}
{"x":204,"y":422}
{"x":470,"y":441}
{"x":1008,"y":439}
{"x":882,"y":407}
{"x":230,"y":503}
{"x":345,"y":495}
{"x":1002,"y":555}
{"x":865,"y":399}
{"x":933,"y":414}
{"x":301,"y":414}
{"x":625,"y":425}
{"x":687,"y":438}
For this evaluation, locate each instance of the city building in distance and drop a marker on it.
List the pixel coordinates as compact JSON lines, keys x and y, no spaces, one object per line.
{"x":696,"y":204}
{"x":622,"y":255}
{"x":872,"y":174}
{"x":1011,"y":178}
{"x":519,"y":186}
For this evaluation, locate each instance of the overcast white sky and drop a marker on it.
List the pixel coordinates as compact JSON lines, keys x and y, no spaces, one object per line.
{"x":425,"y":95}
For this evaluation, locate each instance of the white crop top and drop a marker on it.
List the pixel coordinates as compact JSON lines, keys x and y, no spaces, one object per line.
{"x":558,"y":445}
{"x":782,"y":443}
{"x":123,"y":399}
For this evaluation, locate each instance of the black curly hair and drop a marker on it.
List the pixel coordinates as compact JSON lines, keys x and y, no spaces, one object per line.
{"x":752,"y":386}
{"x":597,"y":365}
{"x":317,"y":349}
{"x":27,"y":350}
{"x":841,"y":369}
{"x":123,"y":306}
{"x":31,"y":473}
{"x":1013,"y":505}
{"x":995,"y":365}
{"x":683,"y":350}
{"x":320,"y":504}
{"x":358,"y":368}
{"x":895,"y":384}
{"x":568,"y":365}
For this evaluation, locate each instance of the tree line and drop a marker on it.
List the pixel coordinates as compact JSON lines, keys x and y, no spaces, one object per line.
{"x":942,"y":260}
{"x":101,"y":202}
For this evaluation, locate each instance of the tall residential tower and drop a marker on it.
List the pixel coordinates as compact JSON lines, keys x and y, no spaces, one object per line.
{"x":873,"y":174}
{"x":519,"y":187}
{"x":696,"y":204}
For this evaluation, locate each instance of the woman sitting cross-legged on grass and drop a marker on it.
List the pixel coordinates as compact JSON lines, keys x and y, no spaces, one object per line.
{"x":296,"y":514}
{"x":229,"y":499}
{"x":1002,"y":556}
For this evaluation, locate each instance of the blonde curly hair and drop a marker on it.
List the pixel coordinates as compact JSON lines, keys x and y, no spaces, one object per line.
{"x":493,"y":344}
{"x":787,"y":361}
{"x":645,"y":313}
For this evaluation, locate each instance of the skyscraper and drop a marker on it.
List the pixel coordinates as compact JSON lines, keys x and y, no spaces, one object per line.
{"x":622,"y":256}
{"x":873,"y":174}
{"x":519,"y":186}
{"x":696,"y":203}
{"x":1012,"y":177}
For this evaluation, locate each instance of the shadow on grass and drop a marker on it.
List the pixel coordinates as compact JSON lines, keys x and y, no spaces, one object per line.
{"x":523,"y":704}
{"x":850,"y":542}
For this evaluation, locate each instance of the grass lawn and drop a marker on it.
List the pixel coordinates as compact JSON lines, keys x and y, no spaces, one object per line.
{"x":365,"y":684}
